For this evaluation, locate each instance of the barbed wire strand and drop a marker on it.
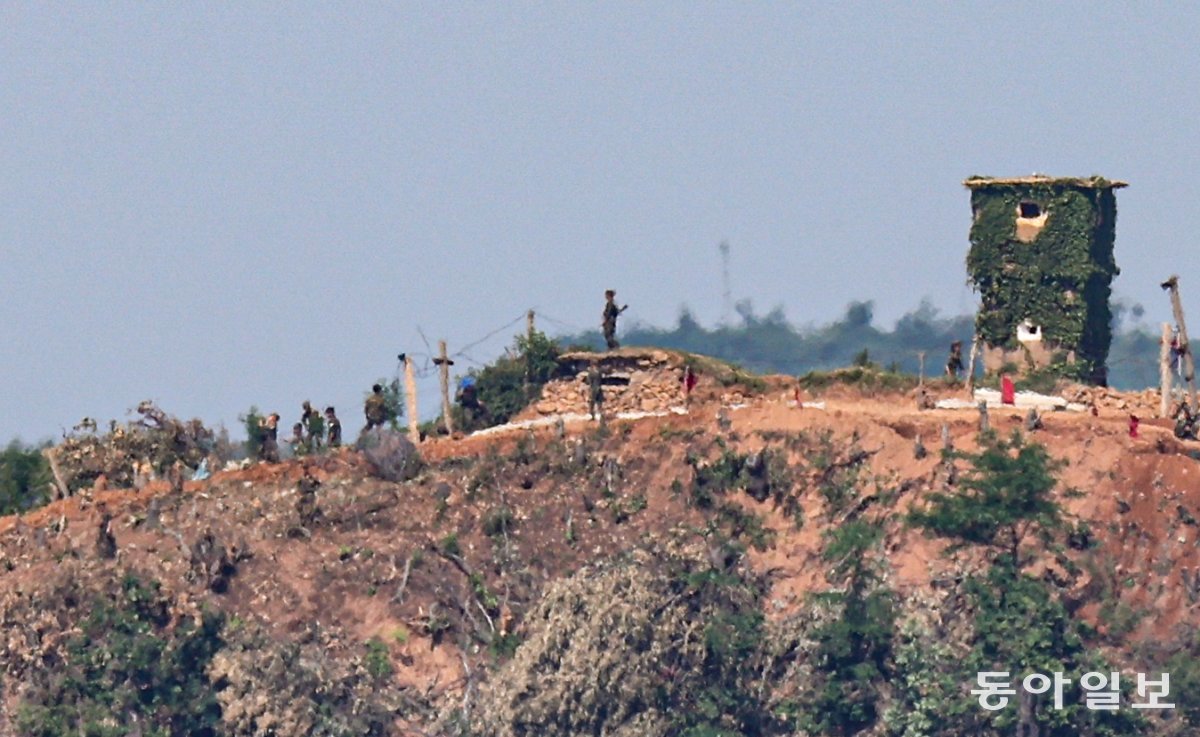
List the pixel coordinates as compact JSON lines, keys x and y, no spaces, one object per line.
{"x":492,"y":334}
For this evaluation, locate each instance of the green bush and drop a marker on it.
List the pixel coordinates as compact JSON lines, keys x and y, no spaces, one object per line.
{"x":378,"y":660}
{"x":24,"y":477}
{"x":854,"y":647}
{"x":512,"y":381}
{"x":124,"y":665}
{"x":255,"y":434}
{"x":1005,"y":495}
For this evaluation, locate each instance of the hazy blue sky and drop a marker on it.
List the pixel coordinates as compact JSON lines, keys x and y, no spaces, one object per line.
{"x":223,"y":204}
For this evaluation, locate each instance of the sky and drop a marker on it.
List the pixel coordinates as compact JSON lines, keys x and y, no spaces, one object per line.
{"x":219,"y":205}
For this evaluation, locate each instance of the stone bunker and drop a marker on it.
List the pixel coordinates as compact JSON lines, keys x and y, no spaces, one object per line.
{"x":633,"y":380}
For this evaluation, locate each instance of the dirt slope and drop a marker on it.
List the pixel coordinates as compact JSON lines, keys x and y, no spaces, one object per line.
{"x":442,"y":570}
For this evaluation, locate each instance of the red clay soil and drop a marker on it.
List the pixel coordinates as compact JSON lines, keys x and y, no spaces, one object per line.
{"x":1139,"y":496}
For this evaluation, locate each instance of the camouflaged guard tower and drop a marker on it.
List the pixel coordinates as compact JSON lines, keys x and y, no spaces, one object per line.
{"x":1042,"y":260}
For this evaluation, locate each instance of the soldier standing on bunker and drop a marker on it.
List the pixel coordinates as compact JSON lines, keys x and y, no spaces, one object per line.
{"x":269,"y":450}
{"x":375,"y":408}
{"x":955,"y":363}
{"x":611,"y":311}
{"x":595,"y":392}
{"x":333,"y":427}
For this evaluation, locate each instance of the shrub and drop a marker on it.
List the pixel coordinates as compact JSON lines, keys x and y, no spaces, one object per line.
{"x":255,"y":434}
{"x":1004,"y":496}
{"x":24,"y":477}
{"x":125,"y":665}
{"x":508,"y":384}
{"x":393,"y":401}
{"x":378,"y":661}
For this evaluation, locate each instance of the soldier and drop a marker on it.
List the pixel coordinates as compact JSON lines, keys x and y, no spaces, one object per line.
{"x":106,"y":544}
{"x":468,"y":398}
{"x":595,"y":392}
{"x":306,"y":498}
{"x":375,"y":408}
{"x":955,"y":363}
{"x":611,"y":311}
{"x":269,"y":450}
{"x":1033,"y":420}
{"x":314,"y":426}
{"x":1185,"y":422}
{"x":297,"y":439}
{"x":333,"y":427}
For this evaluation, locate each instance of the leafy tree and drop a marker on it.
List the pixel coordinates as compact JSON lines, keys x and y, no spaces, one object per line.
{"x":393,"y":401}
{"x":509,"y":383}
{"x":1004,"y":496}
{"x":125,"y":665}
{"x":255,"y":434}
{"x":24,"y":477}
{"x":1021,"y":625}
{"x":854,"y":647}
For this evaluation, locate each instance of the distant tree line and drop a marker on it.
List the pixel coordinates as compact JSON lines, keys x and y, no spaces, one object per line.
{"x":771,"y":344}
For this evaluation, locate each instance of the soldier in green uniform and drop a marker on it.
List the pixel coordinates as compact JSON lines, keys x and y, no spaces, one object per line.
{"x":269,"y":450}
{"x":954,"y":364}
{"x":306,"y":499}
{"x":595,"y":392}
{"x":611,"y":311}
{"x":333,"y":427}
{"x":375,"y":408}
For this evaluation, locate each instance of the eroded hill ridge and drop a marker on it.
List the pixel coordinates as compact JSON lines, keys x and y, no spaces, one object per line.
{"x":674,"y":574}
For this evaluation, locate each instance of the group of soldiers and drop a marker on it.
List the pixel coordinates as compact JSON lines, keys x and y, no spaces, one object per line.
{"x":313,"y":432}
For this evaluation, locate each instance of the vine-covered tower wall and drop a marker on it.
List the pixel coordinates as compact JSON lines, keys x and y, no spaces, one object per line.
{"x":1042,"y":260}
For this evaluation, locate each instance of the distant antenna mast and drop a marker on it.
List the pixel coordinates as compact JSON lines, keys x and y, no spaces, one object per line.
{"x":726,"y":294}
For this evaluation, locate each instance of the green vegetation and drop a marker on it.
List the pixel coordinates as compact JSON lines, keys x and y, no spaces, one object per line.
{"x":854,"y":645}
{"x":378,"y":660}
{"x":716,"y":699}
{"x":508,"y":384}
{"x":126,"y":665}
{"x":255,"y":433}
{"x":1021,"y":624}
{"x":1060,"y":280}
{"x":771,"y":344}
{"x":1003,"y":498}
{"x":499,"y":522}
{"x":24,"y":477}
{"x":867,"y":378}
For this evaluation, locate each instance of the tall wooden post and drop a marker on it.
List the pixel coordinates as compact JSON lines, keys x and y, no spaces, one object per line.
{"x":971,"y":366}
{"x":529,"y":339}
{"x":410,"y":397}
{"x":51,"y":455}
{"x":1164,"y":369}
{"x":1189,"y":366}
{"x":444,"y":363}
{"x":921,"y":370}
